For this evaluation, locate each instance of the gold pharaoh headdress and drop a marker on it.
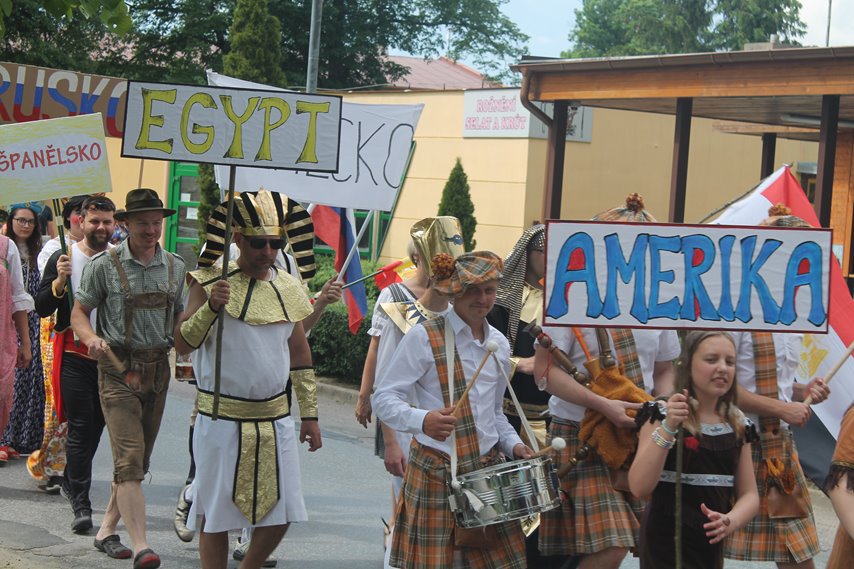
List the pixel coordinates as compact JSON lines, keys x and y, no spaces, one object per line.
{"x":435,"y":235}
{"x":264,"y":213}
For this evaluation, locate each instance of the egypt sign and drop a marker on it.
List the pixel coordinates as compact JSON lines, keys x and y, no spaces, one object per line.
{"x":687,"y":276}
{"x":237,"y":127}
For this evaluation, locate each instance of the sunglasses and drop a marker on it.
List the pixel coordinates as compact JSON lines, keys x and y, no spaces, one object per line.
{"x":260,"y":243}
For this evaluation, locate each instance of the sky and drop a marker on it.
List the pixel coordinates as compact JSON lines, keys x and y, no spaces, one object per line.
{"x":548,"y":22}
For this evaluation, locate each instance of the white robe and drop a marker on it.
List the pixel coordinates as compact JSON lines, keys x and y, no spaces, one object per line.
{"x":255,"y":365}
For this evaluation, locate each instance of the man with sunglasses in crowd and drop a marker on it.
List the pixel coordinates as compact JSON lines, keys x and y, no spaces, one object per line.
{"x":247,"y":464}
{"x":137,"y":289}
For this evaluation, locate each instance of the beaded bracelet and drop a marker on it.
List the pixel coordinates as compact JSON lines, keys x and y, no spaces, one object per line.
{"x":659,"y":440}
{"x":666,"y":429}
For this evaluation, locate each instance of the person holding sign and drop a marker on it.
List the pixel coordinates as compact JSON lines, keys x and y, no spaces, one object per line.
{"x":784,"y":531}
{"x":137,"y":288}
{"x":247,"y":459}
{"x":719,"y":491}
{"x":600,"y":519}
{"x":78,"y":371}
{"x":426,"y":535}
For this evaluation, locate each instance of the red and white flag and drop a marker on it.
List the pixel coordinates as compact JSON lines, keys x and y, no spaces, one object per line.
{"x":819,"y":352}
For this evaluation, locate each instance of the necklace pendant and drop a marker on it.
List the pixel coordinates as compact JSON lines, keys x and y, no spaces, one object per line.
{"x":542,"y":383}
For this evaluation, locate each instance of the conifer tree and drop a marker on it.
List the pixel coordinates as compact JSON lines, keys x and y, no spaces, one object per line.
{"x":255,"y":56}
{"x":456,"y":201}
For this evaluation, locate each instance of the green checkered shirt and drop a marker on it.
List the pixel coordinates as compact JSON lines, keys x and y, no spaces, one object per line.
{"x":101,"y":288}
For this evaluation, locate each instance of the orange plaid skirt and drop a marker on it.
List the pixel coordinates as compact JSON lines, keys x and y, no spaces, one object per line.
{"x":424,"y":531}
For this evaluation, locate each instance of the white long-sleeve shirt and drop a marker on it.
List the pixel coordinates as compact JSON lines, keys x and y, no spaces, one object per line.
{"x":413,"y":369}
{"x":21,"y":300}
{"x":787,"y":353}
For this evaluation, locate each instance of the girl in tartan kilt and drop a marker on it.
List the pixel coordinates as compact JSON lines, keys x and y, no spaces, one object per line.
{"x":766,"y":367}
{"x":598,"y":520}
{"x":426,"y":536}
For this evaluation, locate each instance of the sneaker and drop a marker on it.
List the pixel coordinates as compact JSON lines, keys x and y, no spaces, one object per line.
{"x":54,"y":485}
{"x":182,"y":512}
{"x":82,"y":521}
{"x":240,"y":549}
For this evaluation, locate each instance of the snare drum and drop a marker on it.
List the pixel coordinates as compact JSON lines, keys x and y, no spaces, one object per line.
{"x":504,"y":492}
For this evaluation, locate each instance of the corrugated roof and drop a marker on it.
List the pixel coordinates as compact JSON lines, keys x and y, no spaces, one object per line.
{"x":438,"y":74}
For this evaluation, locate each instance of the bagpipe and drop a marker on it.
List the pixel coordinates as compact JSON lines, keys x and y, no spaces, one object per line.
{"x":615,"y":445}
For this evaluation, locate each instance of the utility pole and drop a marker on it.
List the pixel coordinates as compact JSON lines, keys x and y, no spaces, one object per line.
{"x":314,"y":46}
{"x":829,"y":9}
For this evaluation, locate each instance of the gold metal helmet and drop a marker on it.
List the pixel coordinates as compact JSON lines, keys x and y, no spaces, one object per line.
{"x":263,"y":213}
{"x":437,"y":235}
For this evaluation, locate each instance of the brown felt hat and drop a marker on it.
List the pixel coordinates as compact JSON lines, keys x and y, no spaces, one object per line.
{"x":143,"y":200}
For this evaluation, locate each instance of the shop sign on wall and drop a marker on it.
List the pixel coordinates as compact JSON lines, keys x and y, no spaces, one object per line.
{"x":498,"y":113}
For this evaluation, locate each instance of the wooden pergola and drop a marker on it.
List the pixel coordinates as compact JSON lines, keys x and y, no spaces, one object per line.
{"x":804,"y":93}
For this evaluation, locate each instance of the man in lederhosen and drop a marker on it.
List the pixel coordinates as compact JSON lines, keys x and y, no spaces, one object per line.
{"x":137,"y":289}
{"x":426,"y":534}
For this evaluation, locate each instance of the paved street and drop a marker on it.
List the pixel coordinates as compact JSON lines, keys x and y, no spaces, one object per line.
{"x":346,"y":493}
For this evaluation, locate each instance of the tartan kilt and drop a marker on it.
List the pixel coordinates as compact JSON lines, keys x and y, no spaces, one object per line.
{"x":424,"y":528}
{"x":787,"y":541}
{"x":592,"y":516}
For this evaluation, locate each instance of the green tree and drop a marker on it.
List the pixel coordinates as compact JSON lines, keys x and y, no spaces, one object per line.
{"x":357,"y":33}
{"x":255,"y":54}
{"x":456,"y":201}
{"x":643,"y":27}
{"x":113,"y":14}
{"x":251,"y":58}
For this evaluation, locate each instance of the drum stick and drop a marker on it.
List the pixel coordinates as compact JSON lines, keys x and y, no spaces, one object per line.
{"x":132,"y":378}
{"x":490,"y":348}
{"x":558,"y":444}
{"x":836,"y":368}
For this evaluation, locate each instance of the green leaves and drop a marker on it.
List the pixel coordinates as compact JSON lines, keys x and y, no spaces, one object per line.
{"x":645,"y":27}
{"x":456,"y":201}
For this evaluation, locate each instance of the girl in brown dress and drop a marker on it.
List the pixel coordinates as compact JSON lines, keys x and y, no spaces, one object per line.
{"x":718,"y":487}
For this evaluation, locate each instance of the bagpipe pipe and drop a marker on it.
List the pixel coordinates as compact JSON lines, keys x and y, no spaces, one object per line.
{"x":615,"y":445}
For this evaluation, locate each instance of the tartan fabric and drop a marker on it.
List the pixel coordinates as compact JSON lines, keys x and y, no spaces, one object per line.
{"x":763,"y":539}
{"x":470,"y":269}
{"x":765,"y":363}
{"x":594,"y":517}
{"x":627,"y":354}
{"x":424,"y":529}
{"x":468,"y":448}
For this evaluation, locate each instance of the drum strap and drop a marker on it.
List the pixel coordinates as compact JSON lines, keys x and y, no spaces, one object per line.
{"x":522,"y":418}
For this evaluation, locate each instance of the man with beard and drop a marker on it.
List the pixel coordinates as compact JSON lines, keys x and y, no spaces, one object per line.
{"x":79,"y":372}
{"x":137,"y":288}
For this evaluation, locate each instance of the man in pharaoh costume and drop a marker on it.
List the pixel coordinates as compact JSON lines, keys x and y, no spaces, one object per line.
{"x":600,"y":520}
{"x":436,"y":360}
{"x":247,"y":460}
{"x":430,"y":237}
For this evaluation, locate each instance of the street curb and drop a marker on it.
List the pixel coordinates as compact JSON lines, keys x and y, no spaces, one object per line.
{"x":342,"y":392}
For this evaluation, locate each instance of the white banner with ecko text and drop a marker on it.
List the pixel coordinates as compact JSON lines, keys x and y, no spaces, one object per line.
{"x":54,"y":158}
{"x":235,"y":127}
{"x":375,"y":146}
{"x":687,"y":276}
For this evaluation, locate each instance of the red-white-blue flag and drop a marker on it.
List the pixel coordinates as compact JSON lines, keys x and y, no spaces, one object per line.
{"x":819,"y":352}
{"x":336,"y":227}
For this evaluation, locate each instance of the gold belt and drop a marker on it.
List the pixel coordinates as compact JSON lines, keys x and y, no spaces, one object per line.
{"x":256,"y":480}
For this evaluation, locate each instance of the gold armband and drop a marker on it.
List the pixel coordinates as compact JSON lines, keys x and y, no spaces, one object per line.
{"x":195,"y":329}
{"x":305,"y":386}
{"x":58,"y":294}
